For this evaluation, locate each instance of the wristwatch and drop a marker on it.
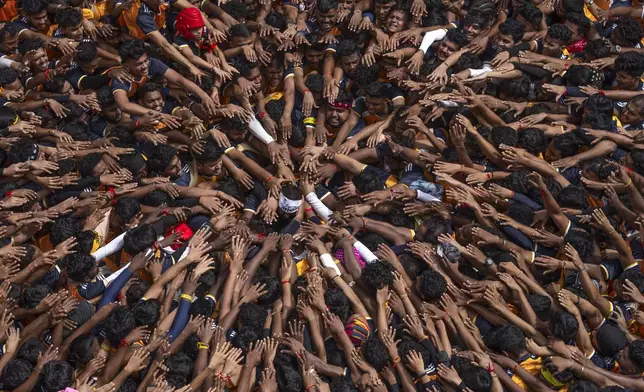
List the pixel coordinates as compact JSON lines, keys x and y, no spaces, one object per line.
{"x":488,"y":262}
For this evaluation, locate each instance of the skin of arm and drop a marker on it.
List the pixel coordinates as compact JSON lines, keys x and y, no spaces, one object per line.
{"x":159,"y":40}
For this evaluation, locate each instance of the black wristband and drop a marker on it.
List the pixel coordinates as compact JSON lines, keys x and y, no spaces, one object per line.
{"x":461,"y":386}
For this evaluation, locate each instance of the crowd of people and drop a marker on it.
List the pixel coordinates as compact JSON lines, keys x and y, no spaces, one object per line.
{"x":321,"y":195}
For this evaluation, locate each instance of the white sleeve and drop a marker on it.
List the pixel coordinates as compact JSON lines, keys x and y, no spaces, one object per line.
{"x":366,"y":254}
{"x":430,"y":37}
{"x":327,"y":261}
{"x":477,"y":72}
{"x":259,"y":132}
{"x":323,"y":211}
{"x":114,"y":275}
{"x":114,"y":246}
{"x":422,"y":196}
{"x":5,"y":62}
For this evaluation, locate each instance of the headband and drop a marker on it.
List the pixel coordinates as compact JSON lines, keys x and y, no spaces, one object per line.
{"x":289,"y":206}
{"x":340,"y":105}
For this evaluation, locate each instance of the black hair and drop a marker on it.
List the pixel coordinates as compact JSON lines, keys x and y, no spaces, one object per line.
{"x":348,"y":47}
{"x":132,"y":49}
{"x":127,"y":208}
{"x":337,"y":302}
{"x":631,"y":63}
{"x":237,"y":9}
{"x":29,"y":44}
{"x":136,"y":291}
{"x":508,"y":338}
{"x":32,"y":295}
{"x":579,"y":75}
{"x":80,"y":351}
{"x":582,"y":22}
{"x":563,"y":325}
{"x":161,"y":157}
{"x":541,"y":305}
{"x":87,"y":164}
{"x":146,"y":313}
{"x":458,"y":37}
{"x":368,"y":181}
{"x":583,"y":386}
{"x":32,"y":6}
{"x":244,"y":337}
{"x":636,"y":353}
{"x":275,"y":108}
{"x":118,"y":325}
{"x":512,"y":28}
{"x":7,"y":76}
{"x":272,"y":288}
{"x":239,"y":30}
{"x":635,"y":276}
{"x":156,"y":198}
{"x":582,"y":241}
{"x":7,"y":116}
{"x":68,"y":17}
{"x":610,"y":340}
{"x":637,"y":156}
{"x":533,"y":140}
{"x":597,"y":48}
{"x":15,"y":373}
{"x":531,"y":13}
{"x":252,"y":315}
{"x":31,"y":350}
{"x":559,"y":32}
{"x":375,"y":352}
{"x":518,"y":88}
{"x":202,"y":306}
{"x":56,"y":376}
{"x":139,"y":239}
{"x":504,"y":135}
{"x":377,"y":275}
{"x":600,"y":104}
{"x":573,"y":197}
{"x":63,"y":228}
{"x":180,"y":364}
{"x":567,"y":144}
{"x":78,"y":266}
{"x":77,"y":130}
{"x":326,"y":6}
{"x":466,"y":61}
{"x":9,"y":30}
{"x":288,"y":379}
{"x":563,"y":376}
{"x":129,"y":385}
{"x":521,"y":213}
{"x":573,"y":5}
{"x":104,"y":95}
{"x":431,"y":285}
{"x":629,"y":30}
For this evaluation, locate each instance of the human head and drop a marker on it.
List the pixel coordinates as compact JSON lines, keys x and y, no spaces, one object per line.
{"x":9,"y":38}
{"x":165,"y":161}
{"x":36,"y":13}
{"x":150,"y":97}
{"x":69,"y":19}
{"x":190,"y":24}
{"x":510,"y":33}
{"x":558,"y":36}
{"x":629,"y":66}
{"x":327,"y":15}
{"x":431,"y":285}
{"x":454,"y":41}
{"x":34,"y":48}
{"x":134,"y":57}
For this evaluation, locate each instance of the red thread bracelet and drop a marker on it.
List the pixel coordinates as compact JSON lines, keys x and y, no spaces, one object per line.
{"x":308,"y":209}
{"x":285,"y":281}
{"x":261,"y":115}
{"x":8,"y":194}
{"x":489,"y":176}
{"x":136,"y":124}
